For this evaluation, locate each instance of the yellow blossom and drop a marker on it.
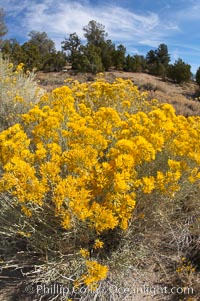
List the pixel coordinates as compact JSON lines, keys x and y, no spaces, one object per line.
{"x":98,"y":244}
{"x":95,"y":273}
{"x":85,"y":253}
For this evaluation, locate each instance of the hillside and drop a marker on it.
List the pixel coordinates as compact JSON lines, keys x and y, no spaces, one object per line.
{"x":182,"y":97}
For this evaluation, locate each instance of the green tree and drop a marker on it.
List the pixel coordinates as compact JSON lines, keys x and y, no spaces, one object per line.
{"x":27,"y":53}
{"x":94,"y":61}
{"x":31,"y":56}
{"x":82,"y":63}
{"x":8,"y":46}
{"x":140,"y":63}
{"x":119,"y":57}
{"x":54,"y":62}
{"x":97,"y":50}
{"x":39,"y":51}
{"x":162,"y":55}
{"x":11,"y":49}
{"x":135,"y":63}
{"x":96,"y":55}
{"x":107,"y":52}
{"x":42,"y":41}
{"x":129,"y":64}
{"x":94,"y":33}
{"x":152,"y":62}
{"x":197,"y":76}
{"x":72,"y":46}
{"x":151,"y":57}
{"x":179,"y":72}
{"x":158,"y":60}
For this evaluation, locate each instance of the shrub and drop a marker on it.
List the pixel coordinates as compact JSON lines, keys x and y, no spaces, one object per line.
{"x":86,"y":162}
{"x":18,"y":91}
{"x":179,"y":72}
{"x":197,"y":77}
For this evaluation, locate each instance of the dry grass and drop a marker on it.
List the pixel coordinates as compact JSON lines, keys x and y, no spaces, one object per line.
{"x":182,"y":97}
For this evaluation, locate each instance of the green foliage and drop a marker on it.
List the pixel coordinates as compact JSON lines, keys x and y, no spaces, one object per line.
{"x":72,"y":47}
{"x":107,"y":53}
{"x":157,"y":69}
{"x":42,"y":41}
{"x":54,"y":62}
{"x":98,"y":52}
{"x":94,"y":33}
{"x":158,"y":60}
{"x":31,"y":56}
{"x":11,"y":49}
{"x":96,"y":56}
{"x":41,"y":53}
{"x":179,"y":72}
{"x":136,"y":63}
{"x":129,"y":64}
{"x":93,"y":54}
{"x":119,"y":57}
{"x":38,"y":53}
{"x":151,"y":57}
{"x":162,"y":55}
{"x":197,"y":77}
{"x":81,"y":63}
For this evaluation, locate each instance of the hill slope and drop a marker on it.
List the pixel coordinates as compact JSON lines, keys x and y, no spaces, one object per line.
{"x":182,"y":97}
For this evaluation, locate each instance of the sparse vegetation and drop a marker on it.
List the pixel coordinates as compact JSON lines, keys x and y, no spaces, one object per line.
{"x":18,"y":91}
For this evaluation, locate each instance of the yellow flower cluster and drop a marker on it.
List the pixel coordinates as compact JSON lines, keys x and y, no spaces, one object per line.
{"x":98,"y":244}
{"x":84,"y":148}
{"x":85,"y":253}
{"x":185,"y":267}
{"x":90,"y":149}
{"x":95,"y":273}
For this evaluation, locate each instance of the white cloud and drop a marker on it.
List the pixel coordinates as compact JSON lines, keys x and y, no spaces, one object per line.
{"x":192,"y":13}
{"x":12,"y":7}
{"x":61,"y":18}
{"x":175,"y":55}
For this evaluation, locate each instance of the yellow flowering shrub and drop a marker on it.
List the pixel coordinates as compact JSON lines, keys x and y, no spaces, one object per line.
{"x":91,"y":151}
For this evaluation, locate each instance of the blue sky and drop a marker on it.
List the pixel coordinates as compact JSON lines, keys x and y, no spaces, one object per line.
{"x":140,"y":25}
